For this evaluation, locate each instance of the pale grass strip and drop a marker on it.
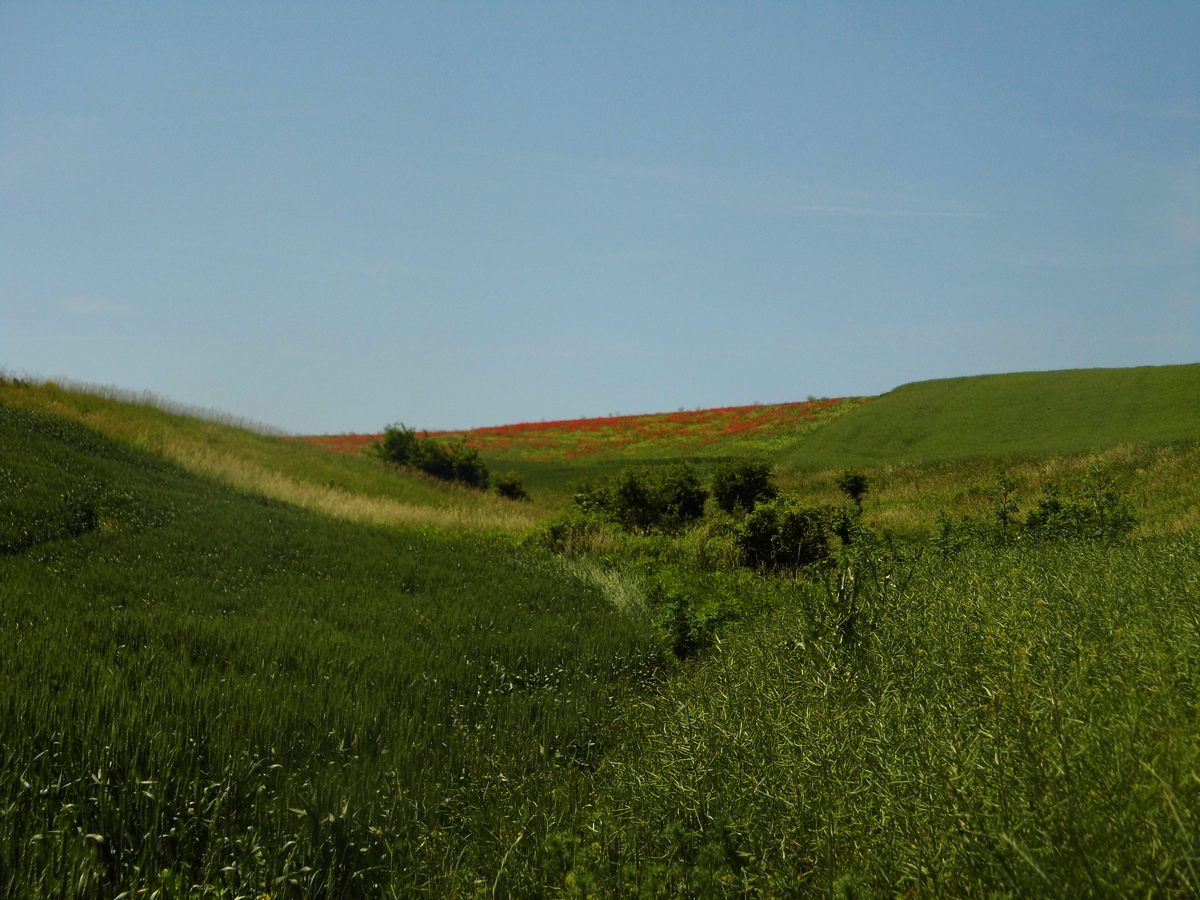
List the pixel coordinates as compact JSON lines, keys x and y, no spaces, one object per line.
{"x":618,"y":589}
{"x":247,"y":476}
{"x":336,"y":502}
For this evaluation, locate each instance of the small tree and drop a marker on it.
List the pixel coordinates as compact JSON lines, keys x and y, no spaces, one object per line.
{"x":1004,"y":501}
{"x":681,"y":496}
{"x":854,"y":485}
{"x":397,"y":445}
{"x":510,"y":486}
{"x":468,"y":467}
{"x":742,"y":483}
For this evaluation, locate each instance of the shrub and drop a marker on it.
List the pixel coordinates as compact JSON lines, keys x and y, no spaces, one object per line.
{"x":633,"y":502}
{"x":681,"y":496}
{"x":468,"y":467}
{"x":742,"y":483}
{"x":397,"y":445}
{"x":854,"y":485}
{"x":782,"y":534}
{"x":1094,"y":512}
{"x":449,"y":462}
{"x":511,"y":487}
{"x":642,"y":501}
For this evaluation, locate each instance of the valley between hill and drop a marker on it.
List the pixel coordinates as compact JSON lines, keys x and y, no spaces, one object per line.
{"x":235,"y":663}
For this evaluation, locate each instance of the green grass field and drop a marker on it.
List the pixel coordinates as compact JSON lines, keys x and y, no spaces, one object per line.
{"x":233,"y":664}
{"x":201,"y":687}
{"x":1021,"y":416}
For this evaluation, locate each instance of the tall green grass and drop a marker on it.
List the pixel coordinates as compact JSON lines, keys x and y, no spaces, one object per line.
{"x":216,"y":681}
{"x":204,"y":692}
{"x":1001,"y":723}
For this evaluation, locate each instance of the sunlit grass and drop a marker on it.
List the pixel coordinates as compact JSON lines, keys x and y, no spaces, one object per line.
{"x":1163,"y":483}
{"x":349,"y":487}
{"x":1018,"y":722}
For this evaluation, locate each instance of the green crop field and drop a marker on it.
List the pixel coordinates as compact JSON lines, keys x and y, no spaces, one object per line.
{"x":1028,"y":415}
{"x":203,"y":687}
{"x":236,"y":664}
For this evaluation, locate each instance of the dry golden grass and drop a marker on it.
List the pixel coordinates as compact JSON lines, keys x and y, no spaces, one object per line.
{"x":252,"y":463}
{"x":485,"y":513}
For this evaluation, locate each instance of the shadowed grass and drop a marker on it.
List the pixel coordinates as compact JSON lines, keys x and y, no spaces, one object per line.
{"x":207,"y":693}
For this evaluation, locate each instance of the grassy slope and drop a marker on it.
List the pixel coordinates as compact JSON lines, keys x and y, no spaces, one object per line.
{"x":345,"y":486}
{"x":1018,"y":416}
{"x":929,"y":447}
{"x":202,"y":687}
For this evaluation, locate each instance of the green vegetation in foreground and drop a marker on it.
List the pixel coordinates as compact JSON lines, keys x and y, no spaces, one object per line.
{"x":1009,"y":712}
{"x":1008,"y":722}
{"x":204,"y":691}
{"x":1019,"y":416}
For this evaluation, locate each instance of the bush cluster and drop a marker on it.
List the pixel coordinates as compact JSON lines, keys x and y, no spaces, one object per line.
{"x":449,"y":461}
{"x":739,"y":484}
{"x":782,"y":534}
{"x":644,"y":501}
{"x":774,"y":531}
{"x":1092,"y":509}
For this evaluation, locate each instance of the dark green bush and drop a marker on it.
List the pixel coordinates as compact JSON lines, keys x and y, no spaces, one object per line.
{"x":397,"y":445}
{"x":633,"y":501}
{"x":742,"y":483}
{"x":468,"y":467}
{"x":681,"y":495}
{"x":782,"y":534}
{"x":642,"y":501}
{"x":510,"y":486}
{"x":449,"y":462}
{"x":854,"y":485}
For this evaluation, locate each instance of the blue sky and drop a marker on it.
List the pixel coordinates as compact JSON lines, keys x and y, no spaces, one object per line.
{"x":330,"y":217}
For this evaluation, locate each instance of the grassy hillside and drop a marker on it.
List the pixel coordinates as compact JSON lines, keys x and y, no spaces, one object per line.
{"x":929,"y":448}
{"x":202,"y":689}
{"x":206,"y":691}
{"x":346,"y":486}
{"x":1018,"y":416}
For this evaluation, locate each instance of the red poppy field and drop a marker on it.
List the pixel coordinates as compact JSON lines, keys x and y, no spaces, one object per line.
{"x":722,"y":429}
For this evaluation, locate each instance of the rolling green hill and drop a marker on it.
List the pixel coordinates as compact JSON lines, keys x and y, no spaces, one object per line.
{"x":205,"y":688}
{"x":344,"y":486}
{"x":221,"y":676}
{"x":1009,"y":417}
